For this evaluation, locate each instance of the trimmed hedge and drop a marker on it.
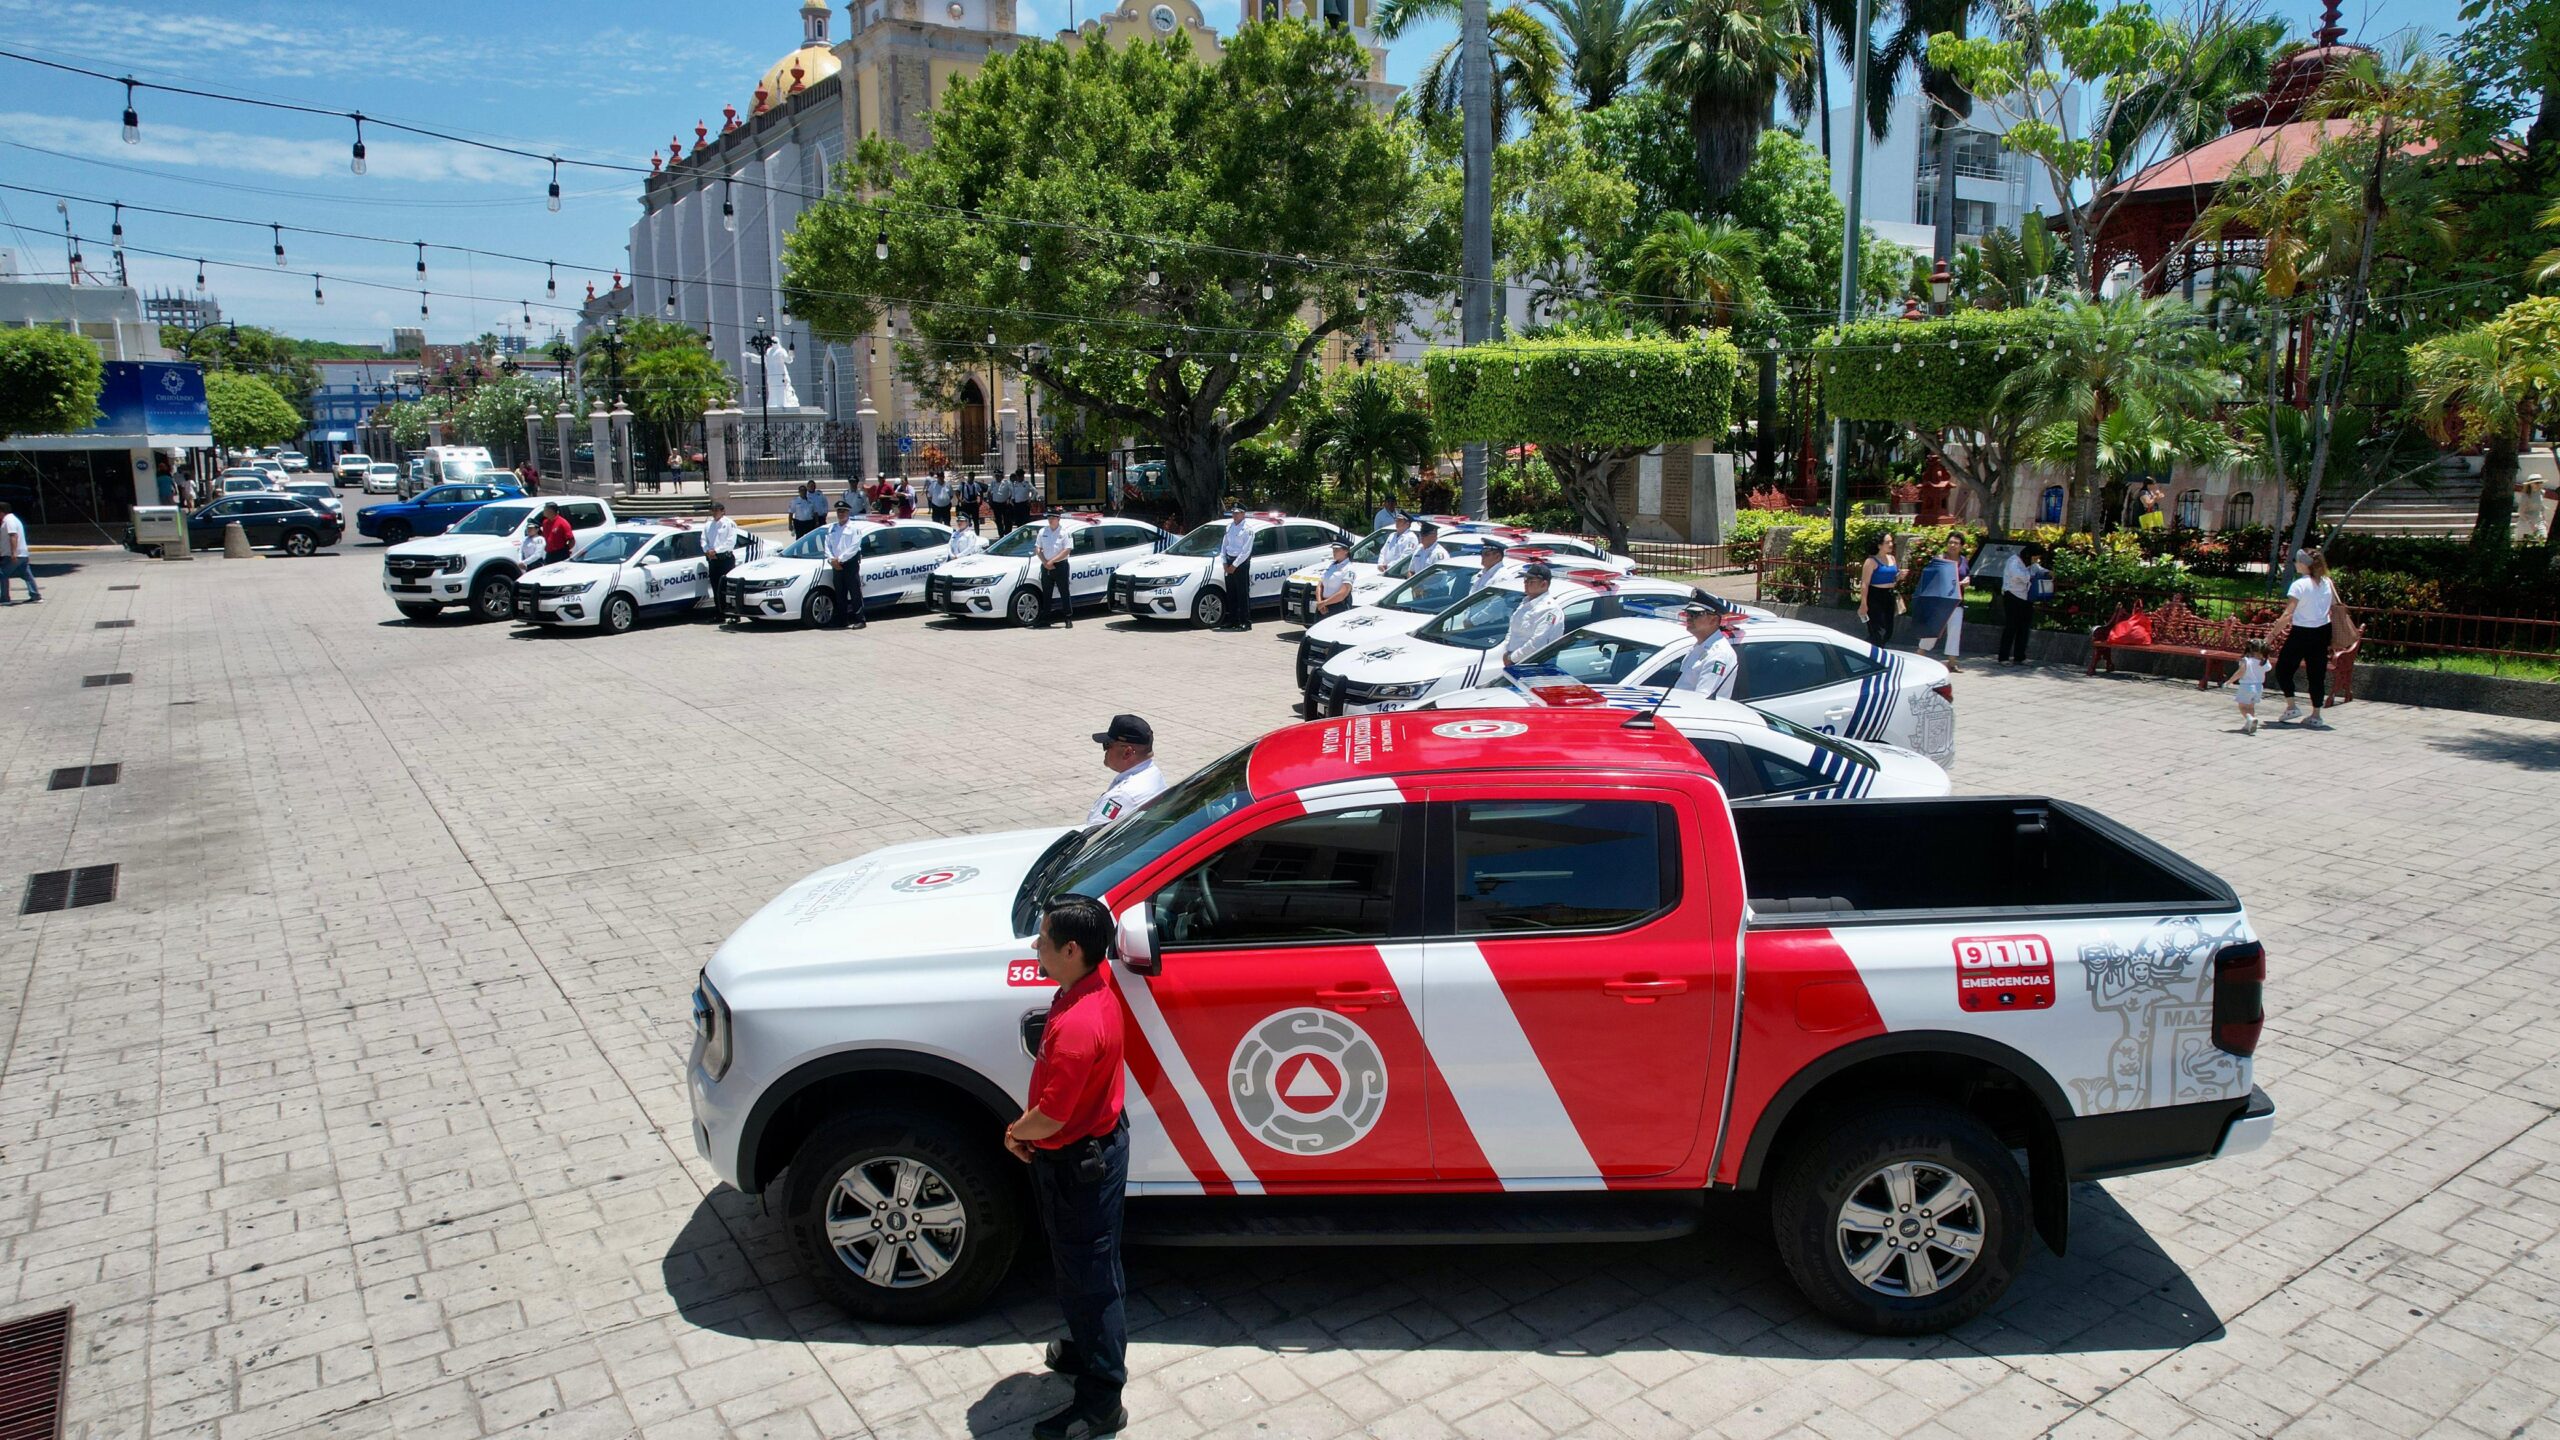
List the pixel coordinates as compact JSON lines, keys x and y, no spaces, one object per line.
{"x":1923,"y":384}
{"x":1585,"y":391}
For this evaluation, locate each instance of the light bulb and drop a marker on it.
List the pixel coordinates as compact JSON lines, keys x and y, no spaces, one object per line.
{"x":728,"y":217}
{"x":1266,"y":284}
{"x":279,"y":234}
{"x":316,"y":297}
{"x":1022,"y":262}
{"x":1154,"y":277}
{"x":132,"y":121}
{"x":880,"y":246}
{"x":357,"y":163}
{"x":553,"y":200}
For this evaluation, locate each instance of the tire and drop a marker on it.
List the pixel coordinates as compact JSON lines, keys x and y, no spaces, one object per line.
{"x":1842,"y":1171}
{"x":416,"y":611}
{"x":299,"y":543}
{"x":1210,"y":610}
{"x":394,"y":533}
{"x":818,"y":612}
{"x":619,"y":615}
{"x":1027,"y":608}
{"x":957,"y":1177}
{"x":493,"y":597}
{"x":155,"y":551}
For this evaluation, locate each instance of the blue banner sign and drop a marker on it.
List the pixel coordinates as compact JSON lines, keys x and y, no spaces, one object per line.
{"x":151,"y":397}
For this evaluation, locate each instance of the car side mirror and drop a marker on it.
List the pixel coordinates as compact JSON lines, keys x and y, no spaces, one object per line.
{"x":1135,"y":942}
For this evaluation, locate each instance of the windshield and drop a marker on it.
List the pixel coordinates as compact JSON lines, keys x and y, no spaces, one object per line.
{"x":1092,"y":861}
{"x":1016,"y":542}
{"x":314,"y":489}
{"x":1203,"y":541}
{"x":613,"y":547}
{"x":492,"y":520}
{"x":813,"y":546}
{"x":1819,"y":741}
{"x":1478,"y":624}
{"x":1597,"y":659}
{"x":1367,"y":551}
{"x":1430,"y":592}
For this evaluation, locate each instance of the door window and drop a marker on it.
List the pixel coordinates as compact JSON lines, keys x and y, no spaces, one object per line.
{"x":583,"y":516}
{"x":1085,"y":541}
{"x":1534,"y":866}
{"x":1325,"y":877}
{"x":1732,"y":771}
{"x":683,"y":545}
{"x":224,"y":508}
{"x":1596,"y":659}
{"x":1781,"y":667}
{"x":1122,"y":537}
{"x":1854,"y":664}
{"x":1782,"y":776}
{"x":1266,"y":541}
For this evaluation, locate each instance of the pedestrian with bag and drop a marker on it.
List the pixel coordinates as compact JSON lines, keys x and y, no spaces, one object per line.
{"x":1053,"y":546}
{"x":2023,"y":582}
{"x":719,"y":546}
{"x":1937,"y":603}
{"x":1075,"y":1137}
{"x":2316,"y":619}
{"x":844,"y":563}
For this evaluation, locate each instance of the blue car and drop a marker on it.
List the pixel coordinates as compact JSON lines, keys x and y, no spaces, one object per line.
{"x":432,"y":513}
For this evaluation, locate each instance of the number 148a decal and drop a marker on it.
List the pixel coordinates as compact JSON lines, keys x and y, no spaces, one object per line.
{"x":2004,"y":972}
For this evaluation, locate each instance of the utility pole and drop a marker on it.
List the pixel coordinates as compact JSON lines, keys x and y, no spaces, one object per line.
{"x":1838,"y":585}
{"x":1475,"y":62}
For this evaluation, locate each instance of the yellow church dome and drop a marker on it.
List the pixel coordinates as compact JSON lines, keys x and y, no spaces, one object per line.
{"x":814,"y":61}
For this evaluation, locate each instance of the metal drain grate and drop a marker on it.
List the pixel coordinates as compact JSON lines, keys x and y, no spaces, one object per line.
{"x":120,"y":677}
{"x":34,"y":1353}
{"x":124,"y":587}
{"x":115,"y":624}
{"x":73,"y":777}
{"x":68,"y":889}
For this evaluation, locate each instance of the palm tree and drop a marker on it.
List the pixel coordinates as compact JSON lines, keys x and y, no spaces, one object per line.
{"x":1704,"y":272}
{"x":2139,"y":437}
{"x":2103,"y":355}
{"x":1372,"y":424}
{"x":2486,"y":386}
{"x":2232,"y":61}
{"x":1526,"y":67}
{"x":1596,"y":37}
{"x":1726,"y":60}
{"x":2545,"y":268}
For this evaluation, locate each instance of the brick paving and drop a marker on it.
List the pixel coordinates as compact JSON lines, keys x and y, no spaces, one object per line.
{"x":359,"y":1112}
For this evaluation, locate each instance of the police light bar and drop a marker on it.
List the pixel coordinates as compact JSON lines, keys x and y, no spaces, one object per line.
{"x":1094,"y":515}
{"x":1274,"y":516}
{"x":1596,"y":579}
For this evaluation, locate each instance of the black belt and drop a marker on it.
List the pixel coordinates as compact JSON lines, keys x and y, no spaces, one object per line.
{"x":1077,"y":1149}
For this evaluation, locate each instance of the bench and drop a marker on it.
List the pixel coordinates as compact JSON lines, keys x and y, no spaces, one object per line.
{"x":2177,"y":629}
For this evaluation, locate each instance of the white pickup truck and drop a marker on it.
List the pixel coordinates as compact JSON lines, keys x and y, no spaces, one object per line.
{"x":476,"y":563}
{"x":1481,"y":976}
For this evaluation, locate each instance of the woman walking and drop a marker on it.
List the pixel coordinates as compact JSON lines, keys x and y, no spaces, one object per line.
{"x":1937,"y":604}
{"x":2311,"y":608}
{"x":1876,"y":579}
{"x":2020,"y":581}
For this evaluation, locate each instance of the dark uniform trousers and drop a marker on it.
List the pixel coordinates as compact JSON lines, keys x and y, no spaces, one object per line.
{"x":1080,"y":1191}
{"x":1240,"y":596}
{"x":849,"y":593}
{"x":722,"y":562}
{"x":1057,"y":601}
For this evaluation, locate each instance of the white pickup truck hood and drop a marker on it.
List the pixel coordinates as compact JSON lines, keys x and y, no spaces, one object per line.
{"x":469,"y":547}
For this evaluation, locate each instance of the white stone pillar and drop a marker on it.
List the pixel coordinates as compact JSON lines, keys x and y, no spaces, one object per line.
{"x":533,"y":437}
{"x":866,"y":422}
{"x":626,"y":472}
{"x":567,"y":421}
{"x":1008,"y":436}
{"x":716,"y":426}
{"x":600,"y":435}
{"x":435,"y":432}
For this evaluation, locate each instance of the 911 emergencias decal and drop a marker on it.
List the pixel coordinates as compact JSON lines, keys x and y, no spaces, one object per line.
{"x":2004,"y":972}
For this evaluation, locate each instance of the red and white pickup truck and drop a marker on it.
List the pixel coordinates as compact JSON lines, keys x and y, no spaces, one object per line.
{"x":1484,"y":977}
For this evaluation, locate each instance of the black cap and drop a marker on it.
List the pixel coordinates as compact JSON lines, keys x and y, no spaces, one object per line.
{"x":1430,"y":529}
{"x":1537,"y":570}
{"x":1699,"y":607}
{"x":1129,"y":728}
{"x":1341,"y":544}
{"x":1495,"y":546}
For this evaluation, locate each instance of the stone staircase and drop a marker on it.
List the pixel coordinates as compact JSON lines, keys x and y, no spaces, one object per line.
{"x":643,"y":505}
{"x":2443,"y":504}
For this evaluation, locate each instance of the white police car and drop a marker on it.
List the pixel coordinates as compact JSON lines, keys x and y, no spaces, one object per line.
{"x":1186,"y":582}
{"x":1461,"y":537}
{"x":898,"y":556}
{"x":1757,"y":756}
{"x":1812,"y":675}
{"x":477,"y":562}
{"x":1461,"y":647}
{"x":623,"y":573}
{"x":1003,"y":580}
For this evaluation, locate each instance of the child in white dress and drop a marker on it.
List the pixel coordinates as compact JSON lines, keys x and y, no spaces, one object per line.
{"x":2249,"y":683}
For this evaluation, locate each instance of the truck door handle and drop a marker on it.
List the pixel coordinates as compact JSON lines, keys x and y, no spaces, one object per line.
{"x":1352,"y":999}
{"x":1645,"y":989}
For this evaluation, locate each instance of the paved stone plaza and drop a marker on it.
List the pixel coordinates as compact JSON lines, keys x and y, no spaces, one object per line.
{"x":359,"y":1112}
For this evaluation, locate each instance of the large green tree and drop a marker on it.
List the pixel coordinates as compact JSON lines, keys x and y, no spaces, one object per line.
{"x":247,"y":411}
{"x":2101,"y":355}
{"x":1598,"y":40}
{"x":2489,"y":386}
{"x":1528,"y":70}
{"x":1374,"y":425}
{"x":249,"y":351}
{"x":1704,"y":273}
{"x":1726,"y":61}
{"x":49,"y":381}
{"x":1272,"y":206}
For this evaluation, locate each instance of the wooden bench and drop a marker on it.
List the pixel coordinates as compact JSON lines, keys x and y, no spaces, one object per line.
{"x":2177,"y":629}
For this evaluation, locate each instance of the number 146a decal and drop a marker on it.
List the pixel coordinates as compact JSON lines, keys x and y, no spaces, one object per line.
{"x":2004,"y":972}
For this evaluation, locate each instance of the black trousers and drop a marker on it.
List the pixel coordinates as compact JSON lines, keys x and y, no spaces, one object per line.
{"x":2305,"y":643}
{"x":1080,"y":1191}
{"x":1880,"y":607}
{"x":2017,"y":617}
{"x":722,"y":562}
{"x":1056,"y":598}
{"x":941,"y":514}
{"x":1240,"y":597}
{"x":848,"y":584}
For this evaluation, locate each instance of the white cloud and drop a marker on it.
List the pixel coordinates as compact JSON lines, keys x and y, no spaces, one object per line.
{"x":231,"y":150}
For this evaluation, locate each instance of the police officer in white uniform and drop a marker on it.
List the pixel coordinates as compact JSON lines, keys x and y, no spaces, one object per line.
{"x":1333,"y":587}
{"x":1430,"y":553}
{"x":1709,"y":666}
{"x":964,"y":543}
{"x":844,"y":562}
{"x":937,"y":498}
{"x":1400,"y":547}
{"x":1235,"y":562}
{"x":1540,"y":618}
{"x":719,"y":544}
{"x":1129,"y":751}
{"x":1052,"y":547}
{"x":1488,"y":564}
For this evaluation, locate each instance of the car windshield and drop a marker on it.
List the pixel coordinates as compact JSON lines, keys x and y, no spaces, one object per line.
{"x":492,"y":520}
{"x":1596,"y":659}
{"x":1430,"y":592}
{"x":313,"y":488}
{"x":1016,"y":542}
{"x":1203,"y":541}
{"x":1368,"y":551}
{"x":1819,"y":741}
{"x":1090,"y":862}
{"x":813,"y":546}
{"x":613,"y":547}
{"x":386,"y":469}
{"x":1477,"y":624}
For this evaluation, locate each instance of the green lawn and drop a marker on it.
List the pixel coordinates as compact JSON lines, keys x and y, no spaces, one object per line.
{"x":2509,"y":666}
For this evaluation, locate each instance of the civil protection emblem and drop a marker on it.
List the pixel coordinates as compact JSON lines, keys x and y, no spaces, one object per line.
{"x":1307,"y":1082}
{"x":935,"y":879}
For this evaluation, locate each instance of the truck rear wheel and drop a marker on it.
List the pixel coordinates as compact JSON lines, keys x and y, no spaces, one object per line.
{"x":1903,"y":1221}
{"x":903,"y":1221}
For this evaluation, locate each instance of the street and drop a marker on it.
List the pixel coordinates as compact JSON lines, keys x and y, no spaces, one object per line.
{"x":360,"y":1109}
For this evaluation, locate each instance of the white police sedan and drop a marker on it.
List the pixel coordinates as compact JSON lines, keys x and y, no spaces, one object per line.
{"x":1758,"y":757}
{"x":1812,"y":675}
{"x":1184,"y":583}
{"x":898,"y":556}
{"x":1461,"y":647}
{"x":1003,"y":580}
{"x":1462,"y":538}
{"x":623,"y":574}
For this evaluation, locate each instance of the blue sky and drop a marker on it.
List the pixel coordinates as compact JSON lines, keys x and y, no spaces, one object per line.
{"x":553,"y":76}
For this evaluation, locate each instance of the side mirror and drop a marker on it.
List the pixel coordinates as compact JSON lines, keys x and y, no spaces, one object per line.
{"x":1135,"y":941}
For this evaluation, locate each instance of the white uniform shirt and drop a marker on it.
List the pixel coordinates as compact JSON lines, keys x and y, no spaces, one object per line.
{"x":1534,"y":626}
{"x":937,"y":492}
{"x":1236,"y":546}
{"x":808,"y":506}
{"x":1052,"y":544}
{"x":1483,"y":577}
{"x":1708,"y":668}
{"x":1426,"y":558}
{"x":964,"y":542}
{"x":1132,"y":788}
{"x":1399,"y":548}
{"x":1336,"y":576}
{"x":844,"y":542}
{"x":719,"y":535}
{"x":529,"y":551}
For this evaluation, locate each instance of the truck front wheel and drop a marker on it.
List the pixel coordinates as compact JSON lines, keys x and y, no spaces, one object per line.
{"x":903,"y":1221}
{"x":1902,"y":1221}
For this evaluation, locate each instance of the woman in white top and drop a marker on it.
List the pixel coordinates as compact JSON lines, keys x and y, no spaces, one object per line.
{"x":2311,"y":608}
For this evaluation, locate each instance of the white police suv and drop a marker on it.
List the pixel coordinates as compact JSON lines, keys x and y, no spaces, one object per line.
{"x":476,"y":563}
{"x":1462,"y":538}
{"x":625,"y":573}
{"x":1003,"y":580}
{"x":1461,"y":647}
{"x":1812,"y":675}
{"x":898,"y":556}
{"x":1185,"y":582}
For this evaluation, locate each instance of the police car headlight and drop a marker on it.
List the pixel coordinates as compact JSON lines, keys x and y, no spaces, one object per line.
{"x":757,"y":587}
{"x":450,"y":565}
{"x":713,"y":1035}
{"x":1156,"y":582}
{"x":575,"y":589}
{"x":972,"y":582}
{"x":1414,"y":691}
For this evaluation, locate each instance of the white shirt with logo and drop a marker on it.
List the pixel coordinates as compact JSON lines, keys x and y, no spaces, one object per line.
{"x":1708,"y":668}
{"x":1053,"y":544}
{"x":1237,"y":544}
{"x":1399,"y":548}
{"x":1337,"y":576}
{"x":1534,"y":626}
{"x":844,"y":542}
{"x":1132,"y":788}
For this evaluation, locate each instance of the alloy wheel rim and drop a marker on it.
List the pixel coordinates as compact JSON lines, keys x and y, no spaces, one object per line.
{"x":896,"y":1222}
{"x":1910,"y":1229}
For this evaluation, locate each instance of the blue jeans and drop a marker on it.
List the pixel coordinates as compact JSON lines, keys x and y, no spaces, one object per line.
{"x":18,"y":570}
{"x":1080,"y":1191}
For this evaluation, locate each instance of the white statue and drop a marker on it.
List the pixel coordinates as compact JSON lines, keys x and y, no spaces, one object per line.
{"x":777,"y":392}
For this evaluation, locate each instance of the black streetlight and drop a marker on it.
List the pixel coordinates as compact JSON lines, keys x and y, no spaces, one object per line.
{"x":561,"y":353}
{"x":760,"y":342}
{"x":612,"y":341}
{"x":1941,"y":285}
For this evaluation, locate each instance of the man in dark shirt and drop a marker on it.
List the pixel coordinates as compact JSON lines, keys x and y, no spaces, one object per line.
{"x":1076,"y":1140}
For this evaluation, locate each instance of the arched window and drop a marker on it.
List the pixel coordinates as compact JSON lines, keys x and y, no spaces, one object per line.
{"x":2049,"y":508}
{"x":2241,"y":509}
{"x":2190,"y":514}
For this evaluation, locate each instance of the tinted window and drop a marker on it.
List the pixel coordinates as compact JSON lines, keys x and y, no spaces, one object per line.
{"x":1122,"y":537}
{"x":1597,"y":659}
{"x":227,"y":507}
{"x":1854,"y":663}
{"x":1781,"y":667}
{"x":686,"y":545}
{"x":584,"y":516}
{"x":1307,"y":537}
{"x":1266,"y":541}
{"x":1330,"y":876}
{"x":1084,"y":541}
{"x":1529,"y":865}
{"x":1478,"y":624}
{"x":880,"y":542}
{"x":1430,"y":592}
{"x":1779,"y":775}
{"x":1732,"y":771}
{"x":441,"y":494}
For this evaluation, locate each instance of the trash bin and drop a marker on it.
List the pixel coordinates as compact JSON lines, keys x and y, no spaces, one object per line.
{"x":161,"y":528}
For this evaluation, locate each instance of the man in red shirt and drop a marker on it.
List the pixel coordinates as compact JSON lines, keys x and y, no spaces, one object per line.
{"x":557,"y":538}
{"x":1076,"y":1141}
